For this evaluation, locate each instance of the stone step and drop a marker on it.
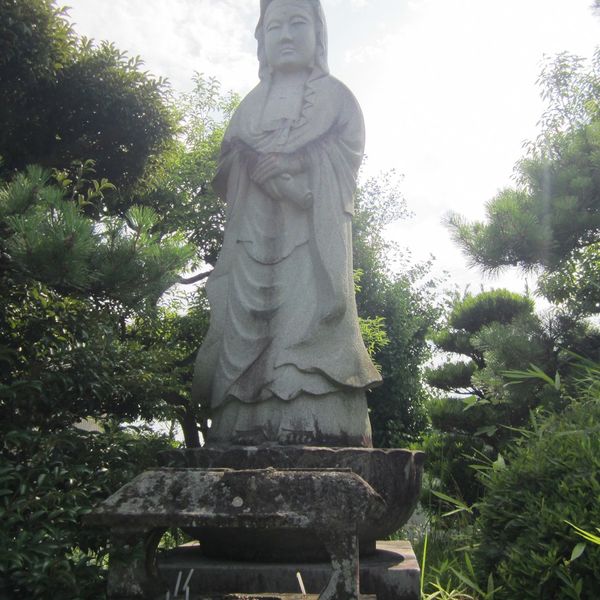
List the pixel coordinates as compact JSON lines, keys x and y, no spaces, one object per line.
{"x":392,"y":573}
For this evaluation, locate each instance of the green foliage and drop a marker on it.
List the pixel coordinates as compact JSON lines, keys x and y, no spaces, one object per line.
{"x":553,"y":476}
{"x":586,"y":535}
{"x":457,"y":580}
{"x":575,"y":284}
{"x":452,"y":376}
{"x":495,"y":306}
{"x":465,"y":416}
{"x":533,"y":507}
{"x":179,"y":186}
{"x":64,"y":359}
{"x":552,"y":219}
{"x":400,"y":302}
{"x":50,"y":238}
{"x":398,"y":414}
{"x":48,"y":483}
{"x":455,"y":342}
{"x":521,"y":535}
{"x":36,"y":41}
{"x":66,"y":99}
{"x":468,"y":318}
{"x":507,"y":347}
{"x":169,"y":338}
{"x":82,"y":268}
{"x":495,"y":331}
{"x":71,"y":276}
{"x":373,"y":334}
{"x":450,"y":460}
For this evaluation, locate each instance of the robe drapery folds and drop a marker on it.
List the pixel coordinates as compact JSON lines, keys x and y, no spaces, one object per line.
{"x":283,"y":311}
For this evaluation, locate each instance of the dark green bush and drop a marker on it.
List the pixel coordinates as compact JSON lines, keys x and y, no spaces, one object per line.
{"x":449,"y":470}
{"x":552,"y":477}
{"x":48,"y":483}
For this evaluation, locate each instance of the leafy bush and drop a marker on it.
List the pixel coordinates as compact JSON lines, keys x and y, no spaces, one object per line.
{"x":48,"y":482}
{"x":450,"y":457}
{"x":553,"y":477}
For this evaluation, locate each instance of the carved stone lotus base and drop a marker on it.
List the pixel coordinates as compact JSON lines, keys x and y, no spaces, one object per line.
{"x":394,"y":474}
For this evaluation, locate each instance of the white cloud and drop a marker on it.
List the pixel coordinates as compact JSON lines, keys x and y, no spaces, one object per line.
{"x":178,"y":37}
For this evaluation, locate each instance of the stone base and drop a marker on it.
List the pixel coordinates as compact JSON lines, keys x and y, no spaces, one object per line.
{"x":392,"y":573}
{"x":395,"y":474}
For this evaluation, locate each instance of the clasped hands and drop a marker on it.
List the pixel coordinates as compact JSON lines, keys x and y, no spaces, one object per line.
{"x":283,"y":177}
{"x":273,"y":165}
{"x":280,"y":175}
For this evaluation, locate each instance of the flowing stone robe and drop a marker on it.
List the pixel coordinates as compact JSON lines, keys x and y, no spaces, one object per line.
{"x":283,"y":360}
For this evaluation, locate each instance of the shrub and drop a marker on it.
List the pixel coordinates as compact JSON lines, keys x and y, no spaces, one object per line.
{"x":48,"y":482}
{"x":449,"y":470}
{"x":553,"y":476}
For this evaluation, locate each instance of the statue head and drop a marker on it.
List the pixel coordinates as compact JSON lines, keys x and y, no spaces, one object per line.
{"x":310,"y":47}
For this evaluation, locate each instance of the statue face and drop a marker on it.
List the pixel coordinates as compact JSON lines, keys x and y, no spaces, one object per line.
{"x":290,"y":35}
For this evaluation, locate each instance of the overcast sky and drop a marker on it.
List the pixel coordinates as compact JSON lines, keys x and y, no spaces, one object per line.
{"x":447,"y":86}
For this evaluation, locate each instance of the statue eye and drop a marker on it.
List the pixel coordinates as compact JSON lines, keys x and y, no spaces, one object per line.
{"x":273,"y":25}
{"x":299,"y":21}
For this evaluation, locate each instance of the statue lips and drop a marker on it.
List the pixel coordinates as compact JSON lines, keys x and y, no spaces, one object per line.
{"x":288,"y":53}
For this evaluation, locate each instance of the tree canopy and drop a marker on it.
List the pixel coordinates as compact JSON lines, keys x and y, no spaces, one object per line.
{"x":551,"y":221}
{"x":66,"y":99}
{"x":485,"y":335}
{"x":80,"y":258}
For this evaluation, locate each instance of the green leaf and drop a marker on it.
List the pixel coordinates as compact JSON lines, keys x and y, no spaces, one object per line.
{"x":590,"y":537}
{"x":488,"y":431}
{"x":578,"y":551}
{"x":466,"y":580}
{"x":460,"y":505}
{"x":499,"y":463}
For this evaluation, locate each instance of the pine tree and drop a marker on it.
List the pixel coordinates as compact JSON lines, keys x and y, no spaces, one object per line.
{"x":485,"y":336}
{"x":550,"y":223}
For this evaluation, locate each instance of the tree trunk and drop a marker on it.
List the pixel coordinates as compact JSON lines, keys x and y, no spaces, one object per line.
{"x":190,"y":428}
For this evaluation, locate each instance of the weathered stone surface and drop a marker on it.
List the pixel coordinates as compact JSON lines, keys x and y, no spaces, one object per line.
{"x":327,"y":504}
{"x":284,"y":360}
{"x":394,"y":474}
{"x":392,"y":573}
{"x":334,"y":500}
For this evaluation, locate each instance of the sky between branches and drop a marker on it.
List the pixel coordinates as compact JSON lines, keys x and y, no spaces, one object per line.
{"x":447,"y":86}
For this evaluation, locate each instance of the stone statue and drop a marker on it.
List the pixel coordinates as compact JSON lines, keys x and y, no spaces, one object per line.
{"x":283,"y":360}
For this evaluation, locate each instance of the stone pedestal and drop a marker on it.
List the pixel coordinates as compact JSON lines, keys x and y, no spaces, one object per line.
{"x":391,"y":573}
{"x":326,"y":504}
{"x":394,"y":474}
{"x":263,"y":514}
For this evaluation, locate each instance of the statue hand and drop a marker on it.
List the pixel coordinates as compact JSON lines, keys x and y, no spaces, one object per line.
{"x":289,"y":188}
{"x":270,"y":186}
{"x":273,"y":165}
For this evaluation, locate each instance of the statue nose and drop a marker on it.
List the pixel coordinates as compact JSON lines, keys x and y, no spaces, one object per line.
{"x":286,"y":32}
